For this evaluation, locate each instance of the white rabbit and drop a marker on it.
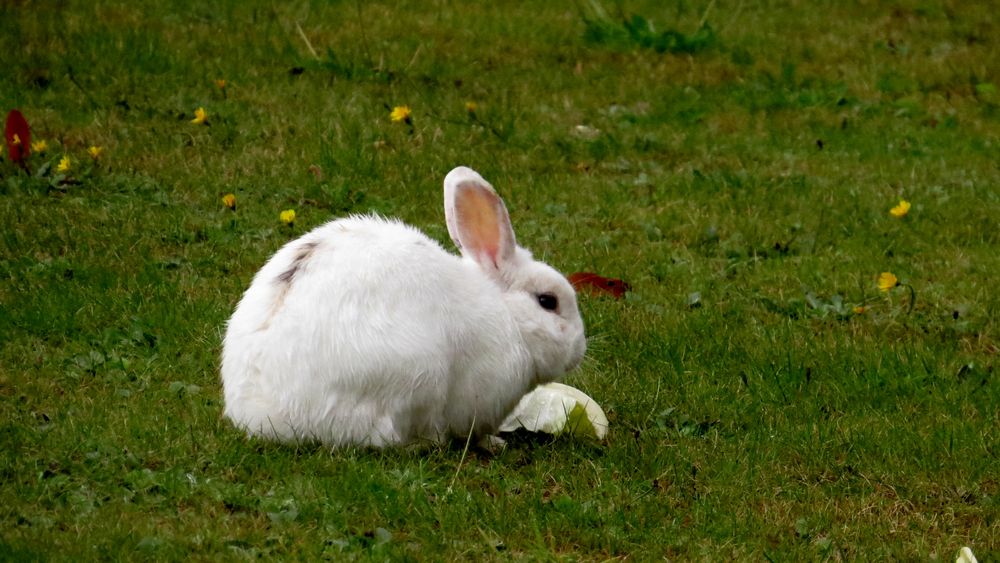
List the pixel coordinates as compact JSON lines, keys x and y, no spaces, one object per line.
{"x":365,"y":331}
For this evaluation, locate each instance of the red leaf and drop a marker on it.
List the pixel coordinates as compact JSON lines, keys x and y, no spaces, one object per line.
{"x":598,"y":285}
{"x":17,"y":126}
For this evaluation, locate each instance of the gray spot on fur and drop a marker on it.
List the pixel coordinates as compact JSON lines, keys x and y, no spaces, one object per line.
{"x":284,"y":279}
{"x":298,"y":261}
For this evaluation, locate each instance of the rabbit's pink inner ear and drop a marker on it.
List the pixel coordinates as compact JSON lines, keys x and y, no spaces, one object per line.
{"x":483,"y":225}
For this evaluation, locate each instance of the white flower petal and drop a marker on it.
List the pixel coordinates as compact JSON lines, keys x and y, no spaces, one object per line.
{"x":965,"y":556}
{"x":587,"y":132}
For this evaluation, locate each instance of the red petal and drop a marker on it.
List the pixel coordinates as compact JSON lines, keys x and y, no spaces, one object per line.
{"x":17,"y":125}
{"x":598,"y":285}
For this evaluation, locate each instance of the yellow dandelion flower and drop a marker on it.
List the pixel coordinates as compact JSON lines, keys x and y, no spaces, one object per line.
{"x":229,"y":200}
{"x":287,"y":217}
{"x":200,"y":116}
{"x":95,"y":151}
{"x":400,"y":113}
{"x":471,"y":107}
{"x":900,"y":210}
{"x":859,"y":309}
{"x":887,"y":281}
{"x":220,"y":83}
{"x":39,"y":146}
{"x":64,"y":165}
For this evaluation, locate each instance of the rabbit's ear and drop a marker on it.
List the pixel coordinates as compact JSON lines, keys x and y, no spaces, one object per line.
{"x":477,"y":220}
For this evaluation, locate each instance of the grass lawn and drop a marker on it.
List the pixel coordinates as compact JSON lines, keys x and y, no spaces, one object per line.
{"x":735,"y":162}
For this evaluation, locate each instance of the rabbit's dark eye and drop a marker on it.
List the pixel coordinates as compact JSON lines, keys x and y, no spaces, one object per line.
{"x":548,"y":301}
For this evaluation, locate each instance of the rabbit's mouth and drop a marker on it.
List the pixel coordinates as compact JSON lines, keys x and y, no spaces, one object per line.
{"x":576,"y":356}
{"x":575,"y":363}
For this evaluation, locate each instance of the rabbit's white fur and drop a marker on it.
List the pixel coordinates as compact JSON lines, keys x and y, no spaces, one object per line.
{"x":365,"y":331}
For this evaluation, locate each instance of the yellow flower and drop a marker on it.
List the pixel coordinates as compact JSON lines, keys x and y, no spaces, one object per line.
{"x":400,"y":113}
{"x":220,"y":83}
{"x":39,"y":146}
{"x":887,"y":281}
{"x":200,"y":116}
{"x":95,"y":151}
{"x":229,"y":200}
{"x":64,"y":165}
{"x":859,"y":309}
{"x":471,"y":107}
{"x":16,"y":141}
{"x":288,"y":217}
{"x":900,"y":210}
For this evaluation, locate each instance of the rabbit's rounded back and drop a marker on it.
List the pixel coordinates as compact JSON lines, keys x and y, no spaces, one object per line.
{"x":365,"y":331}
